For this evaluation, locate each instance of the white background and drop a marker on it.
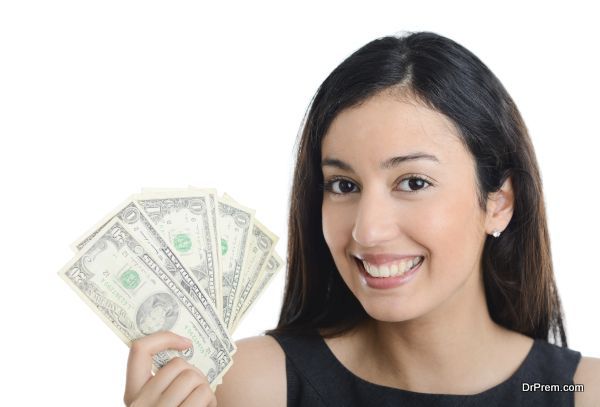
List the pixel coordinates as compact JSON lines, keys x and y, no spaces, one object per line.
{"x":98,"y":99}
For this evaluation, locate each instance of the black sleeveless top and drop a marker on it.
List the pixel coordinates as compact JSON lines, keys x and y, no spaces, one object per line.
{"x":315,"y":377}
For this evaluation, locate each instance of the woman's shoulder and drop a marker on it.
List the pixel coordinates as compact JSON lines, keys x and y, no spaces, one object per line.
{"x":588,"y":374}
{"x":257,"y":376}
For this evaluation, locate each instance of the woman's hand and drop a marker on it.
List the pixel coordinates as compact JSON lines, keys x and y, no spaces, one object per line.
{"x":176,"y":384}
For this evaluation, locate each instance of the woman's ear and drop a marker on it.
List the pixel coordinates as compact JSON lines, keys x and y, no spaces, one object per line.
{"x":500,"y":206}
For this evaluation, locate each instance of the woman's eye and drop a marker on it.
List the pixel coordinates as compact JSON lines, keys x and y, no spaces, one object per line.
{"x":414,"y":184}
{"x":343,"y":186}
{"x":340,"y":186}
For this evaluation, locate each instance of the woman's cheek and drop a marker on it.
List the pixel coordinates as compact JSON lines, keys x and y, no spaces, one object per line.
{"x":452,"y":236}
{"x":337,"y":226}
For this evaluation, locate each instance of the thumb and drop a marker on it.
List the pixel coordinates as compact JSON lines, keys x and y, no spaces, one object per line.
{"x":139,"y":364}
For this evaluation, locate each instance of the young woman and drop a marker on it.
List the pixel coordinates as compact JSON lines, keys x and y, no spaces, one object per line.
{"x":419,"y":264}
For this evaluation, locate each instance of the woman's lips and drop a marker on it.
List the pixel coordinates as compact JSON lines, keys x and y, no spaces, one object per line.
{"x":383,"y":258}
{"x":386,"y":282}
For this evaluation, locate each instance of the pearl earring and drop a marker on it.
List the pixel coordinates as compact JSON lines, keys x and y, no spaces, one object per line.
{"x":496,"y":233}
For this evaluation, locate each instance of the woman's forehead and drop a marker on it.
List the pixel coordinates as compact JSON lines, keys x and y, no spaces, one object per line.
{"x":384,"y":125}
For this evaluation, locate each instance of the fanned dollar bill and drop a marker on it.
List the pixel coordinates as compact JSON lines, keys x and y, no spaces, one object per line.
{"x":143,"y":229}
{"x":187,"y":220}
{"x":179,"y":259}
{"x":261,"y":244}
{"x":269,"y":270}
{"x":234,"y":223}
{"x":121,"y":278}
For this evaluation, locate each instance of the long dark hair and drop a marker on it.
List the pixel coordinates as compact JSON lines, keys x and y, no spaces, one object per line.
{"x":517,"y":268}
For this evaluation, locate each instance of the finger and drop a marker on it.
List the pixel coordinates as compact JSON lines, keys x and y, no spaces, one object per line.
{"x":139,"y":364}
{"x":156,"y":385}
{"x":201,"y":396}
{"x":181,"y":387}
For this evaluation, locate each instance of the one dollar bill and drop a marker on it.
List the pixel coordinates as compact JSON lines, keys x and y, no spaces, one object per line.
{"x":187,"y":220}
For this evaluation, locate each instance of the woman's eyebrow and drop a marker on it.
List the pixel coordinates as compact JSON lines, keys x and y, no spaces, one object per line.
{"x":386,"y":165}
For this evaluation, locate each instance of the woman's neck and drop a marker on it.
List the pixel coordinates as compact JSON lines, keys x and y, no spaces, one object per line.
{"x":454,"y":349}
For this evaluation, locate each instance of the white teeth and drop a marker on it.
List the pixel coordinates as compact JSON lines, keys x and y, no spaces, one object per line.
{"x":391,"y":270}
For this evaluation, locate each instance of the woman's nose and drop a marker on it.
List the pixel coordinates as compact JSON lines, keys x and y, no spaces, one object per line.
{"x":375,"y":221}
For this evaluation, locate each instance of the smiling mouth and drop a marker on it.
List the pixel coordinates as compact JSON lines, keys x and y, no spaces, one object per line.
{"x":396,"y":269}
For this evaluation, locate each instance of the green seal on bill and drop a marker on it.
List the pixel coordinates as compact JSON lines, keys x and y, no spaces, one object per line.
{"x":223,"y":246}
{"x":130,"y":279}
{"x":182,"y":243}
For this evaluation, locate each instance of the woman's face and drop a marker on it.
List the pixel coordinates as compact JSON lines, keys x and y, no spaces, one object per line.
{"x":376,"y":217}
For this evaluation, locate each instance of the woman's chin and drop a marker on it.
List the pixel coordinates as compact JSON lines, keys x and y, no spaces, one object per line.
{"x":389,"y":311}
